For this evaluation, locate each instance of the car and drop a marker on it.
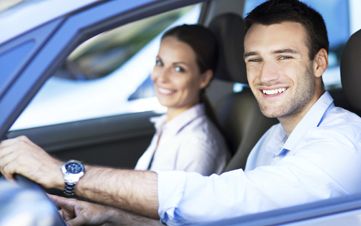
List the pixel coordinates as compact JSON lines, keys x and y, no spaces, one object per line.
{"x":54,"y":89}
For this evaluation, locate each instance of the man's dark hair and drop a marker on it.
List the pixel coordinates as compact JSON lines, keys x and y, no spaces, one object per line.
{"x":201,"y":40}
{"x":277,"y":11}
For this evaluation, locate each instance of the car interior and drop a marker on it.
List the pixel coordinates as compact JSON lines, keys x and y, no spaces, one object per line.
{"x":122,"y":138}
{"x":119,"y":140}
{"x":350,"y":75}
{"x":126,"y":136}
{"x":350,"y":79}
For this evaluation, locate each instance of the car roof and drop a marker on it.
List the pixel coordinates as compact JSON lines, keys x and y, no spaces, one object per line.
{"x":30,"y":14}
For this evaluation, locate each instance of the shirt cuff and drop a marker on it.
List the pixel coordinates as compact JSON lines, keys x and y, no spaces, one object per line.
{"x":170,"y":192}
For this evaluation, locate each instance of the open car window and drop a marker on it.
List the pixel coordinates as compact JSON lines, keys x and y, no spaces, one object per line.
{"x":106,"y":75}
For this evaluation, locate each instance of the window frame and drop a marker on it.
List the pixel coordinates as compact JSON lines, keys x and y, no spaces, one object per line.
{"x":77,"y":27}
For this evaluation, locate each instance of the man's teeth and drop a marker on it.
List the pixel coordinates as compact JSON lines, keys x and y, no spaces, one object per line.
{"x":273,"y":91}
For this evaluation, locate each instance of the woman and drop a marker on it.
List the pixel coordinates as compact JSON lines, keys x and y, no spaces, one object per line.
{"x":186,"y":138}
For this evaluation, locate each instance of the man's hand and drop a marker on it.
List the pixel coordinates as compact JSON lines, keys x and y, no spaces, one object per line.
{"x":133,"y":191}
{"x":77,"y":212}
{"x":21,"y":156}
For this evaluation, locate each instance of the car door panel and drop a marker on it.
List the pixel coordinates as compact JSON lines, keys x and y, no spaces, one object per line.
{"x":110,"y":141}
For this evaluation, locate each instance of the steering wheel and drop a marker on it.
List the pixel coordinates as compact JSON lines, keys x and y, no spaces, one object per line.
{"x":27,"y":197}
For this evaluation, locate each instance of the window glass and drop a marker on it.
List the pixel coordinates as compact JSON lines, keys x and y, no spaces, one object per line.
{"x":106,"y":75}
{"x":336,"y":16}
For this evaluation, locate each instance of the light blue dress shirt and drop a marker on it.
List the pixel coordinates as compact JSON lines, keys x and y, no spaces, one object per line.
{"x":320,"y":159}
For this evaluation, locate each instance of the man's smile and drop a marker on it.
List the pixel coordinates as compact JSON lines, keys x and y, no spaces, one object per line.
{"x":273,"y":92}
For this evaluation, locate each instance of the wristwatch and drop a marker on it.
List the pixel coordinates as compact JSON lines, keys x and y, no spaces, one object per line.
{"x":72,"y":170}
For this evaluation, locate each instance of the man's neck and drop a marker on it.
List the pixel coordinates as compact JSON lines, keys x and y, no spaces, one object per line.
{"x":289,"y":122}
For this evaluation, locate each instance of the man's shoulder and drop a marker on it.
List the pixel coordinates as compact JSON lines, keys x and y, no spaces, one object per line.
{"x":341,"y":118}
{"x":341,"y":126}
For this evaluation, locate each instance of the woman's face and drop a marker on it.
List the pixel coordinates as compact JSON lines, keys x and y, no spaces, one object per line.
{"x":176,"y":76}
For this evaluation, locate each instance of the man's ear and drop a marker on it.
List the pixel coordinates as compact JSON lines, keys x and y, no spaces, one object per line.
{"x":206,"y":78}
{"x":320,"y":63}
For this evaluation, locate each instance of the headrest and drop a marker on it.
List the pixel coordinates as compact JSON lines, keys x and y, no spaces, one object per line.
{"x":229,"y":30}
{"x":351,"y":71}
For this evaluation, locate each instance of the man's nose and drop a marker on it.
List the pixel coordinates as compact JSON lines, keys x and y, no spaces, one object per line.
{"x":269,"y":72}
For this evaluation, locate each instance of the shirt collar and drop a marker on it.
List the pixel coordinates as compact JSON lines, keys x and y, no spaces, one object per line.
{"x":311,"y":120}
{"x":180,"y":121}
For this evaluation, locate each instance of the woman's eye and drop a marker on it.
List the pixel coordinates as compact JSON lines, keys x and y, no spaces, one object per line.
{"x":158,"y":62}
{"x":179,"y":69}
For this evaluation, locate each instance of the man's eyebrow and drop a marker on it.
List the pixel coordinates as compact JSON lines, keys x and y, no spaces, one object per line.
{"x":288,"y":50}
{"x":285,"y":51}
{"x":247,"y":54}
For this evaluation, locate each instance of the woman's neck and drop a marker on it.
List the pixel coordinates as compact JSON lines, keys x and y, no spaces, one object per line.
{"x":174,"y":112}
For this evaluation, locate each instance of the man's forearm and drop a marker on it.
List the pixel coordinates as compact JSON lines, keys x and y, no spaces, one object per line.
{"x":134,"y":191}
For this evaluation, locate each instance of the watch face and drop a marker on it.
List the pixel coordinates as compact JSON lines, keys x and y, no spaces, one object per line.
{"x":74,"y":167}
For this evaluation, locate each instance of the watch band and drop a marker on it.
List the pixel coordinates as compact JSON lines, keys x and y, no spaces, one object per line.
{"x":72,"y":170}
{"x":69,"y":189}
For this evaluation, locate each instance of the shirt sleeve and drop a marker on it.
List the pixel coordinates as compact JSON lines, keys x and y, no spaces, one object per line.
{"x":324,"y":169}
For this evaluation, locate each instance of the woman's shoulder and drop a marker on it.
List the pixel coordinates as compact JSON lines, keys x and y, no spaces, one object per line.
{"x":203,"y":133}
{"x":201,"y":126}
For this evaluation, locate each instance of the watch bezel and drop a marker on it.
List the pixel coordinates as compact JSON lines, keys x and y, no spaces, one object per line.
{"x":70,"y":177}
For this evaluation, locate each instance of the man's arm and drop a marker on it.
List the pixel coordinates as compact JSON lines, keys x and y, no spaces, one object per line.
{"x":135,"y":191}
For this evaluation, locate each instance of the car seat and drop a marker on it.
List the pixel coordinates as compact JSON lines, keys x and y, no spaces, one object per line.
{"x":238,"y":114}
{"x":351,"y":74}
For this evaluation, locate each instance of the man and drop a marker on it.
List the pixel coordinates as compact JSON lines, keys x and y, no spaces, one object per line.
{"x":314,"y":152}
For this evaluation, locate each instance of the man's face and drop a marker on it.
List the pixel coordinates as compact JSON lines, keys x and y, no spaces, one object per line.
{"x":279,"y":70}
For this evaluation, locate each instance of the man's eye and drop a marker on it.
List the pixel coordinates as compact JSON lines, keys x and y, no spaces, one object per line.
{"x":284,"y":57}
{"x":254,"y":60}
{"x":179,"y":69}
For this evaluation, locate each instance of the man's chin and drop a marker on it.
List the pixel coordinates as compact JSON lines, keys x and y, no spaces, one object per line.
{"x":270,"y":113}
